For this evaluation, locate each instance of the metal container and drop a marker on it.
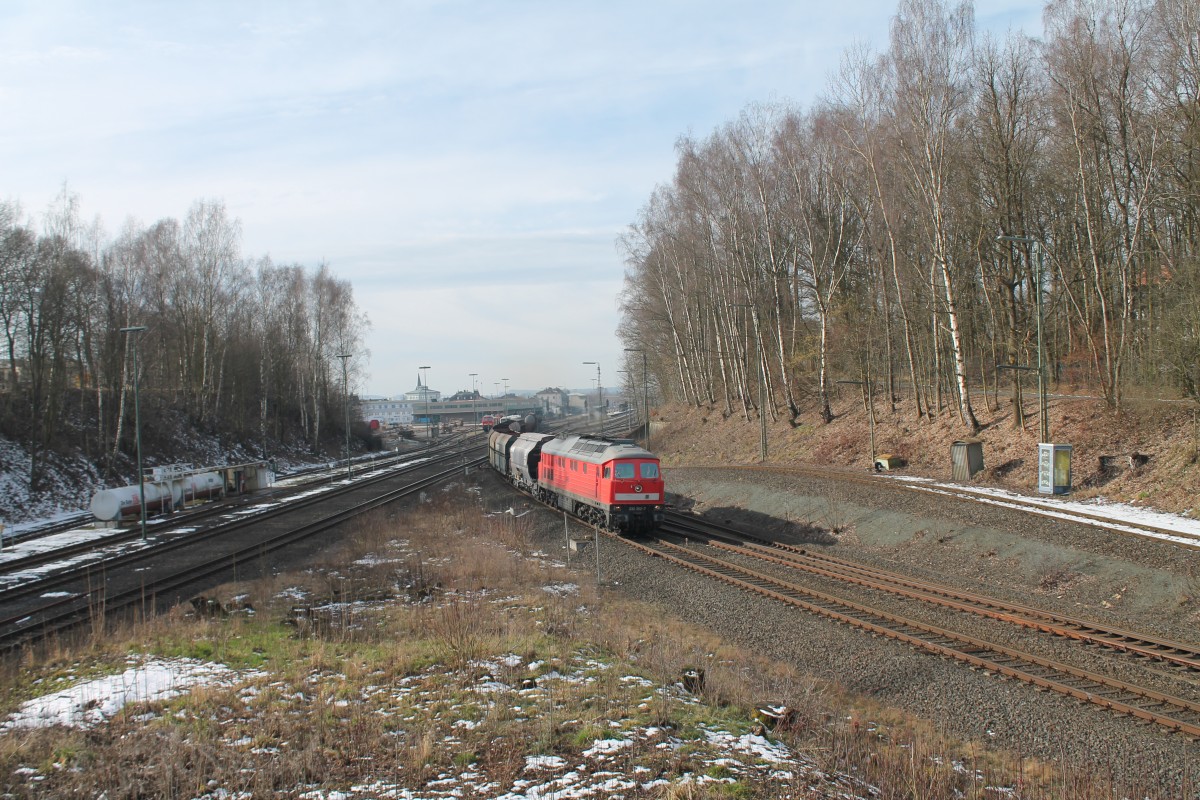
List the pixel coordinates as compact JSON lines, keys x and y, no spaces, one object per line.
{"x":524,"y":457}
{"x":966,"y":459}
{"x":499,"y":445}
{"x":205,"y":486}
{"x":125,"y":501}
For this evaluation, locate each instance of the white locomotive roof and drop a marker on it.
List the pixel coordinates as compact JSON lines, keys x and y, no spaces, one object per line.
{"x":596,"y":450}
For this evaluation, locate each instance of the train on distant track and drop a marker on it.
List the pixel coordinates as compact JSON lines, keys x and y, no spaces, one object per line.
{"x":612,"y":483}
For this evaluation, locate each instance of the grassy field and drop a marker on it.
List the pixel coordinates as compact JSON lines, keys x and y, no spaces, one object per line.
{"x":438,"y":653}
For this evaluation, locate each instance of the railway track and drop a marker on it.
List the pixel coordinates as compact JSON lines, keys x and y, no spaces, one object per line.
{"x":16,"y":568}
{"x":144,"y":579}
{"x":1178,"y":654}
{"x":1120,"y":696}
{"x":295,"y":480}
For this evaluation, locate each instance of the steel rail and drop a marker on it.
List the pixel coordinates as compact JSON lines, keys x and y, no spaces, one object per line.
{"x":160,"y":547}
{"x":159,"y":544}
{"x":1003,"y":660}
{"x":84,"y":607}
{"x":1127,"y":641}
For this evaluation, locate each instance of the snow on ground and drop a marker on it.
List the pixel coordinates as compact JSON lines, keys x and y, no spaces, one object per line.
{"x":605,"y":767}
{"x":65,"y":490}
{"x":1060,"y":507}
{"x":86,"y":533}
{"x":92,"y":702}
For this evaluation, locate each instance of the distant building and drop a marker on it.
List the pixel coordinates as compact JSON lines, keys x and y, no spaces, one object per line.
{"x":422,"y":394}
{"x":553,"y":401}
{"x":386,"y":410}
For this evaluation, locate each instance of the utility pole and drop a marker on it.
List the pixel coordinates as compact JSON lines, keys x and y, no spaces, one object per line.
{"x":425,"y":391}
{"x":346,"y":399}
{"x":599,"y":395}
{"x":1043,"y":405}
{"x":474,"y":418}
{"x":762,"y":391}
{"x":645,"y":390}
{"x":505,"y":396}
{"x":137,"y":420}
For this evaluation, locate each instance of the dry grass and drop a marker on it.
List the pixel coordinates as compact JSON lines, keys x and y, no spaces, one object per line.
{"x":367,"y":660}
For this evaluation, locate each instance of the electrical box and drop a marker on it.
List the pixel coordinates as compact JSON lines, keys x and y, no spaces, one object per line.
{"x":1054,"y":468}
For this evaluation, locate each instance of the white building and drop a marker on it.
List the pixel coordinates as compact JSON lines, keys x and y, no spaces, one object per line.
{"x":553,"y":401}
{"x":422,"y":394}
{"x":387,"y":410}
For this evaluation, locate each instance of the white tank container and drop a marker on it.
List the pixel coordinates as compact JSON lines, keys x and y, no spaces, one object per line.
{"x":111,"y":504}
{"x":205,"y":486}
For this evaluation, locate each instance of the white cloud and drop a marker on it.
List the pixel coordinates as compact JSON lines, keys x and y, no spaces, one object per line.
{"x":498,"y":149}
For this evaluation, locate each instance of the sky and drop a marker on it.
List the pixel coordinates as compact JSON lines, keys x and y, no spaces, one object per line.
{"x":468,"y":167}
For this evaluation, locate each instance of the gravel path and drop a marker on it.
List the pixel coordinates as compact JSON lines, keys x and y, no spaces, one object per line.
{"x":1023,"y":558}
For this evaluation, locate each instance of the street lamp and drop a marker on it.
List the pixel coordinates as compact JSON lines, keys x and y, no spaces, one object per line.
{"x":1044,"y":433}
{"x":137,"y":420}
{"x":425,"y":391}
{"x":474,"y":394}
{"x":346,"y":399}
{"x":505,"y":398}
{"x":599,"y":395}
{"x":645,"y":390}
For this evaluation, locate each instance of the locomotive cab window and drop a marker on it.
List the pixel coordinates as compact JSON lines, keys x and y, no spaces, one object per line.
{"x":608,"y":472}
{"x":624,"y":469}
{"x":649,"y":469}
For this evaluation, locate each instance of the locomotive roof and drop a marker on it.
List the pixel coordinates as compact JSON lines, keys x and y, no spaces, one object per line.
{"x":596,"y":449}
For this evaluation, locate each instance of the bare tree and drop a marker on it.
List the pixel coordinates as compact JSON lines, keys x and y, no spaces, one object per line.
{"x":931,"y":62}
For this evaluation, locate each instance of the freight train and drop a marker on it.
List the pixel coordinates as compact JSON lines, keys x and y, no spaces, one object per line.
{"x":612,"y":483}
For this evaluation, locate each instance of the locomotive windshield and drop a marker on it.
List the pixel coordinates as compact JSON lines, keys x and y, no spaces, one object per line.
{"x":628,"y":470}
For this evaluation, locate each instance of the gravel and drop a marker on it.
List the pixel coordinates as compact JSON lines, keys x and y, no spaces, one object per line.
{"x":1022,"y":558}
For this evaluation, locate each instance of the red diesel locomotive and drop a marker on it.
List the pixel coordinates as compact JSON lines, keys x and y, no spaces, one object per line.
{"x":612,"y":483}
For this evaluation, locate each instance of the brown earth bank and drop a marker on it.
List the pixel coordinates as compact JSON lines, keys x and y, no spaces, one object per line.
{"x":1147,"y":454}
{"x":1067,"y":567}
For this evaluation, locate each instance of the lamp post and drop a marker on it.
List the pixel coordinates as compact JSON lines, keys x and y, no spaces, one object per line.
{"x":599,"y":395}
{"x":645,"y":390}
{"x":474,"y":419}
{"x":425,"y":392}
{"x":137,"y":421}
{"x":1043,"y":409}
{"x":346,"y":399}
{"x":505,"y":400}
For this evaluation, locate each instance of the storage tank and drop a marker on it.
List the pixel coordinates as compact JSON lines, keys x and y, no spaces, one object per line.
{"x":111,"y":504}
{"x":205,"y":486}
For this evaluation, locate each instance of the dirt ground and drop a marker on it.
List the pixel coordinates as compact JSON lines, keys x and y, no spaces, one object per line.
{"x":1163,"y":437}
{"x":1023,"y":559}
